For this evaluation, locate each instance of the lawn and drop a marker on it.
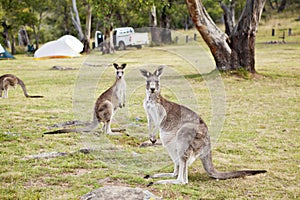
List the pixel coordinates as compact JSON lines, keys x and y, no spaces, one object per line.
{"x":254,"y":123}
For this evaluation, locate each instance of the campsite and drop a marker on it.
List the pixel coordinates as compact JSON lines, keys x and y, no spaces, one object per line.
{"x":253,"y":119}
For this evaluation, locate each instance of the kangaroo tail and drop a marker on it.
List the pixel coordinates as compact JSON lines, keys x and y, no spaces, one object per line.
{"x":21,"y":83}
{"x":212,"y":172}
{"x":87,"y":128}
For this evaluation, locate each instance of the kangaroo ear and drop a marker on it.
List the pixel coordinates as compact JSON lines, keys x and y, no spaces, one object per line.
{"x":145,"y":73}
{"x":123,"y":66}
{"x":159,"y":71}
{"x":116,"y":65}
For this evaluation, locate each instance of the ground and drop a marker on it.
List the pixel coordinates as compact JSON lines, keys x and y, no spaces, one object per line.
{"x":260,"y":128}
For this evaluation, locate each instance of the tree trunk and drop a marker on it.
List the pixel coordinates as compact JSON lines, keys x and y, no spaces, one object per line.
{"x":66,"y":20}
{"x":13,"y":45}
{"x":282,"y":6}
{"x":165,"y":34}
{"x":23,"y":37}
{"x":153,"y":24}
{"x":236,"y":50}
{"x":229,"y":18}
{"x":108,"y":46}
{"x":76,"y":21}
{"x":5,"y":35}
{"x":87,"y":37}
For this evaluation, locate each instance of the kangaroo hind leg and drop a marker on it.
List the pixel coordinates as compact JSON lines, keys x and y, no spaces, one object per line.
{"x":104,"y":113}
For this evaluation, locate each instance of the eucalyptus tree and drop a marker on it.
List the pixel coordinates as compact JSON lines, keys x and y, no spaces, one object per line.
{"x":234,"y":51}
{"x":38,"y":11}
{"x":84,"y":36}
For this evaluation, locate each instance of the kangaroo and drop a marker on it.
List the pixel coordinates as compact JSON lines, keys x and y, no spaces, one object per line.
{"x":106,"y":104}
{"x":9,"y":80}
{"x":182,"y":132}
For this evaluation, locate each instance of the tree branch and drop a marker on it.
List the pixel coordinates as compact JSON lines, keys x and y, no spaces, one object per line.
{"x":76,"y":21}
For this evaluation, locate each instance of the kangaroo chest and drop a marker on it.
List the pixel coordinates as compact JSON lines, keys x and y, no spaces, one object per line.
{"x":156,"y":111}
{"x":158,"y":114}
{"x":120,"y":88}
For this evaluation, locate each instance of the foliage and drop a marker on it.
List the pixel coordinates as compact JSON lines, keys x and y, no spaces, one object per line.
{"x":50,"y":19}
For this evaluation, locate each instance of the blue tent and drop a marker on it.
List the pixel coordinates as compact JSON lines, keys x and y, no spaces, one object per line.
{"x":5,"y":54}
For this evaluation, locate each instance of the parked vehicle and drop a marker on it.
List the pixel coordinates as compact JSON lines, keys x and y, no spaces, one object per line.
{"x":127,"y":37}
{"x":99,"y":38}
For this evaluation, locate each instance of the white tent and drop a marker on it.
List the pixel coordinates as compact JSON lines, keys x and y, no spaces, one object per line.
{"x":65,"y":47}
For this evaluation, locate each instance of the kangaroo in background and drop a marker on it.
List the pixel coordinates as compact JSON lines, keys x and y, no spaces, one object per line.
{"x":106,"y":104}
{"x":182,"y":132}
{"x":9,"y":80}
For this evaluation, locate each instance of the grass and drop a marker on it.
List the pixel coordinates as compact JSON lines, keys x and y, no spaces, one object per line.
{"x":261,"y":128}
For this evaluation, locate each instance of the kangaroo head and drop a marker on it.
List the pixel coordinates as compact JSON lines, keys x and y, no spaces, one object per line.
{"x":152,"y":80}
{"x":119,"y":70}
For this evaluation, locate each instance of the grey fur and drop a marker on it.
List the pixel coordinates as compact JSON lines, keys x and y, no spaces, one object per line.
{"x":106,"y":104}
{"x":182,"y":132}
{"x":10,"y":80}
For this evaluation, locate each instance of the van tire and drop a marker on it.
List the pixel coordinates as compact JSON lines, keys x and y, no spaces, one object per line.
{"x":122,"y":46}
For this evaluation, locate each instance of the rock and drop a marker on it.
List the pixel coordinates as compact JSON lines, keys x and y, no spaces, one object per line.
{"x":119,"y":193}
{"x":47,"y":155}
{"x":61,"y":68}
{"x":149,"y":144}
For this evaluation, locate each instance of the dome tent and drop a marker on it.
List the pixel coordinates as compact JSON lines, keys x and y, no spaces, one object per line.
{"x":65,"y":47}
{"x":5,"y":54}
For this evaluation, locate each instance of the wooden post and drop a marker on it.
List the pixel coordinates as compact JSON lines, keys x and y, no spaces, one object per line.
{"x":290,"y":32}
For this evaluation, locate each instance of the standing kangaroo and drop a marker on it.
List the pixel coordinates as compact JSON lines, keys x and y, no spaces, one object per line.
{"x":9,"y":80}
{"x":182,"y":132}
{"x":106,"y":104}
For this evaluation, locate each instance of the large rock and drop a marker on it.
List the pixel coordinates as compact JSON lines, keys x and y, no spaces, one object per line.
{"x":119,"y":193}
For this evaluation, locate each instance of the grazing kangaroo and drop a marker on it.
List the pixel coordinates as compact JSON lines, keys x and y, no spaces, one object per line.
{"x":9,"y":80}
{"x":182,"y":132}
{"x":106,"y":104}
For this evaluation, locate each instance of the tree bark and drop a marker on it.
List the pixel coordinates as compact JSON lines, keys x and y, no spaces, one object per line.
{"x":13,"y":45}
{"x":153,"y":24}
{"x":5,"y":35}
{"x":23,"y":37}
{"x":229,"y":18}
{"x":108,"y":45}
{"x":66,"y":19}
{"x":76,"y":21}
{"x":236,"y":50}
{"x":282,"y":6}
{"x":165,"y":34}
{"x":88,"y":23}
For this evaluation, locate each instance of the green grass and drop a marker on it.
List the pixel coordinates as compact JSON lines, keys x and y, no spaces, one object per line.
{"x":261,"y":128}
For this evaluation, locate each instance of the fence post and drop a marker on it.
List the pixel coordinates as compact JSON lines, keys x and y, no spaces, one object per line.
{"x":290,"y":32}
{"x":273,"y":32}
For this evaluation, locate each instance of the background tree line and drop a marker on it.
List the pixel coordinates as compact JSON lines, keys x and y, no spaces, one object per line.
{"x":49,"y":19}
{"x":34,"y":22}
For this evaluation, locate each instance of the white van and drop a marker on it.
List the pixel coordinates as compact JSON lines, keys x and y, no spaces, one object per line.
{"x":126,"y":37}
